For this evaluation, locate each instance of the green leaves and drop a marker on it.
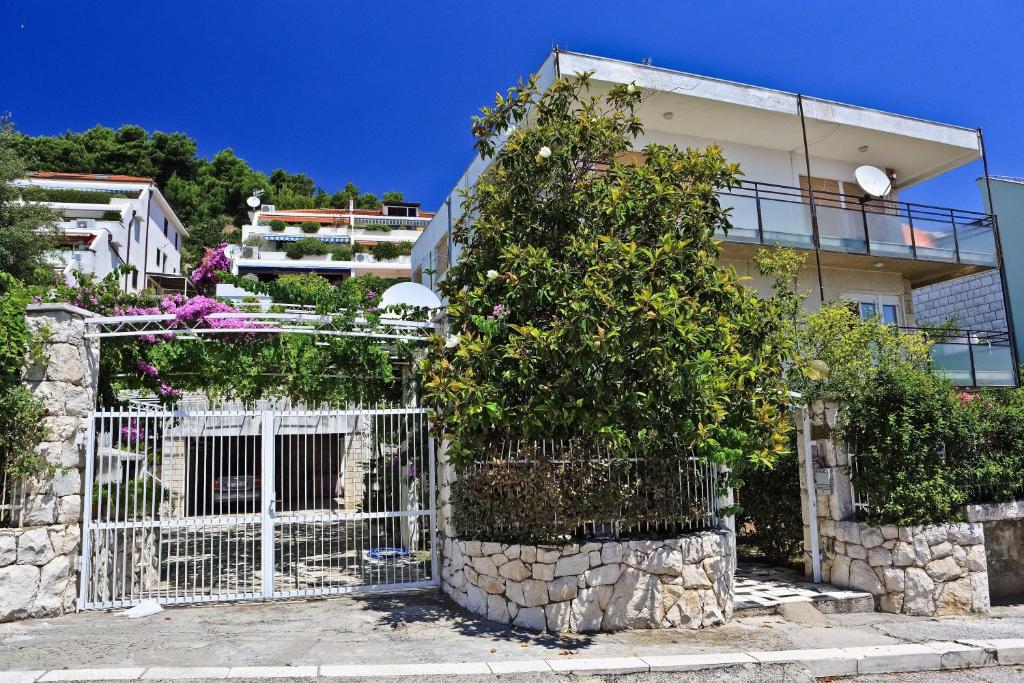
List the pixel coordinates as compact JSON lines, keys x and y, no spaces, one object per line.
{"x":618,"y":324}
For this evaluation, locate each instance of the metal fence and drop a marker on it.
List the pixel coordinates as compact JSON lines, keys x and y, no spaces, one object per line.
{"x":13,"y":495}
{"x":588,"y":491}
{"x":197,"y":506}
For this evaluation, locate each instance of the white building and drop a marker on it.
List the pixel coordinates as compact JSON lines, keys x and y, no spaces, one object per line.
{"x":351,"y":241}
{"x":111,"y":220}
{"x":872,"y":251}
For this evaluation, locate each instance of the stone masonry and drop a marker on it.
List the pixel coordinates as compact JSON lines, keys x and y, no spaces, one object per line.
{"x":684,"y":582}
{"x":975,"y":301}
{"x":917,"y":570}
{"x":929,"y":570}
{"x":37,"y":559}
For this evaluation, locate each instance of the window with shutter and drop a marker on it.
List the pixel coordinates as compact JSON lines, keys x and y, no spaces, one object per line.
{"x":442,"y":255}
{"x":826,"y":191}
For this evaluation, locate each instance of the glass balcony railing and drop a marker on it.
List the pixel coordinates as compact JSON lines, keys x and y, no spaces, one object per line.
{"x":972,"y":358}
{"x":763,"y":213}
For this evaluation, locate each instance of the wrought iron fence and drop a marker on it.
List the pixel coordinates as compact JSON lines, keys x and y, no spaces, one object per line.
{"x":556,"y":489}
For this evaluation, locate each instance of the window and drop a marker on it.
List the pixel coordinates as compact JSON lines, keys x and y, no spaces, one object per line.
{"x":165,"y":227}
{"x":826,"y":191}
{"x":138,"y":229}
{"x":442,"y":255}
{"x":135,"y":279}
{"x":417,"y":277}
{"x":884,"y":306}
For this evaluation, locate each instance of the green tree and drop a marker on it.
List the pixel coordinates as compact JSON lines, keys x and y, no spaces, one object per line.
{"x":393,"y":197}
{"x":589,"y":303}
{"x":27,"y":230}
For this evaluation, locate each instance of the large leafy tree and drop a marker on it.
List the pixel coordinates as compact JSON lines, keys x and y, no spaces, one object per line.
{"x":588,"y":302}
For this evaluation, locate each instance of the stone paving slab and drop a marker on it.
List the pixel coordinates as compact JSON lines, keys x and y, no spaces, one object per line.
{"x":763,"y":587}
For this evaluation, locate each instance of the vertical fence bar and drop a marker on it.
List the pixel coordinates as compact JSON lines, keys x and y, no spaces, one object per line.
{"x":435,"y":575}
{"x":83,"y":571}
{"x":267,"y":504}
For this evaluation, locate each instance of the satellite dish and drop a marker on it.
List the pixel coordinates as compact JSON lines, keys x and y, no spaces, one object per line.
{"x":253,"y":201}
{"x":873,"y":180}
{"x":410,"y":294}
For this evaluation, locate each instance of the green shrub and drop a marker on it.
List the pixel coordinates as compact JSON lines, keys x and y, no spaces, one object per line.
{"x":309,"y":246}
{"x":385,"y":251}
{"x":34,"y":193}
{"x":374,"y":227}
{"x":769,"y":500}
{"x":111,"y":216}
{"x":310,"y":227}
{"x":914,"y":444}
{"x":342,"y":253}
{"x":278,"y":225}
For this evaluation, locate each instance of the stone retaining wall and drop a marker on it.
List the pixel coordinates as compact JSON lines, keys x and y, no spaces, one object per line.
{"x":1004,"y":547}
{"x":920,"y":570}
{"x":37,"y":559}
{"x":685,"y":582}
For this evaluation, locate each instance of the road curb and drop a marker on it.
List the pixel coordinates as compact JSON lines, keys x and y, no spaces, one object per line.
{"x":821,"y":662}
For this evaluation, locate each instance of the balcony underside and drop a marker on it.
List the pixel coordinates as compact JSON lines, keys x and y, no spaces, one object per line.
{"x":919,"y":272}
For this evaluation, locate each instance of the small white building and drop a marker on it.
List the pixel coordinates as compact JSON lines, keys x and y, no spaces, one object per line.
{"x":108,"y":221}
{"x":351,"y":241}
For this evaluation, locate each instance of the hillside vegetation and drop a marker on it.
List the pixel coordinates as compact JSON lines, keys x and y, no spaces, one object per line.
{"x":208,"y":195}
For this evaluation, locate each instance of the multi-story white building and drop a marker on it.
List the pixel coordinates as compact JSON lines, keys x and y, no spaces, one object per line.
{"x":798,"y":156}
{"x":335,"y":243}
{"x":111,"y":220}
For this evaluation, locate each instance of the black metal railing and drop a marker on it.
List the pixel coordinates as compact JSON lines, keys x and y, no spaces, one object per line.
{"x":770,"y":214}
{"x":971,"y":358}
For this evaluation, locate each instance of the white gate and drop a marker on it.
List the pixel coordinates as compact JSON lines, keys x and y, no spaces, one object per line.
{"x":201,"y":506}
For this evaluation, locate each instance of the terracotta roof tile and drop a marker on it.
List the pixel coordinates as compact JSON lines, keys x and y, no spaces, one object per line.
{"x":112,"y":178}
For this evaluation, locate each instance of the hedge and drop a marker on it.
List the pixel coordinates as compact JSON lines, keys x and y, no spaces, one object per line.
{"x":375,"y":227}
{"x":111,"y":216}
{"x":310,"y":227}
{"x":278,"y":225}
{"x":342,"y":253}
{"x":310,"y":246}
{"x":67,"y":196}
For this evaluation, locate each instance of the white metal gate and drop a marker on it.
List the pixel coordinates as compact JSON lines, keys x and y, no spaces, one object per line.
{"x":200,"y":506}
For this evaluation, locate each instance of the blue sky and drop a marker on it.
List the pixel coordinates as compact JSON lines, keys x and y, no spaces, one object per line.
{"x":380,"y":93}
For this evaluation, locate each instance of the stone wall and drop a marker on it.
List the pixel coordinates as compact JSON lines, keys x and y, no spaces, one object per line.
{"x":37,"y":559}
{"x":685,"y":582}
{"x":919,"y":570}
{"x":1004,"y":548}
{"x":976,"y":301}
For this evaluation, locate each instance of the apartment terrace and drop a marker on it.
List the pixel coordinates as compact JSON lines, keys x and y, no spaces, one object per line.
{"x":926,"y":243}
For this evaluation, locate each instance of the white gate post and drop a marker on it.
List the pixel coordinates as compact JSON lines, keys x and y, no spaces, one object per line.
{"x":267,"y":495}
{"x":84,"y":573}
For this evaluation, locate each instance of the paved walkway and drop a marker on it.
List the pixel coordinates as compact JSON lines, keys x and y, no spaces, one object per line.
{"x":421,"y":629}
{"x":762,"y":587}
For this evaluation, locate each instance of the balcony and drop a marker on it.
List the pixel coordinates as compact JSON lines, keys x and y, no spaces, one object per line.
{"x":941,"y":242}
{"x":972,"y":358}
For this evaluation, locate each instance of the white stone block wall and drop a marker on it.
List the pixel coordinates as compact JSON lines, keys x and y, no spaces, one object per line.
{"x":975,"y":301}
{"x":917,"y":570}
{"x":931,"y":570}
{"x":685,"y":582}
{"x":37,"y":559}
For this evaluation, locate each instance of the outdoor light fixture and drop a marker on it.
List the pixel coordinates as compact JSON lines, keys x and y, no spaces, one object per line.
{"x":862,"y":148}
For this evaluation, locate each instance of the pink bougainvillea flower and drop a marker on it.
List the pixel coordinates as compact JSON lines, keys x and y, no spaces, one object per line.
{"x":214,"y":260}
